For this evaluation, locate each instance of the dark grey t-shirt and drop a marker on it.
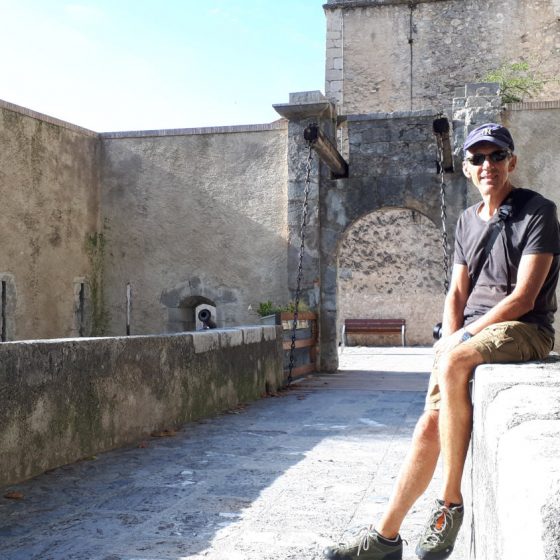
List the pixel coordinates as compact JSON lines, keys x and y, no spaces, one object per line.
{"x":533,"y":230}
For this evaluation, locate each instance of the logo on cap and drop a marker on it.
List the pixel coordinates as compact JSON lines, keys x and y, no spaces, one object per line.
{"x":488,"y":132}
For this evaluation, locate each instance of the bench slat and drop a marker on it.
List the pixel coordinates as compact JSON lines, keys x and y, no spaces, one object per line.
{"x":375,"y":326}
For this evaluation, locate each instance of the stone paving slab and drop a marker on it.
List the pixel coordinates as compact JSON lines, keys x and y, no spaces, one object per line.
{"x":278,"y":479}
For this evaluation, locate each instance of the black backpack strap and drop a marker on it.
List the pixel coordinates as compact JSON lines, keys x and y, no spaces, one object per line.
{"x":513,"y":204}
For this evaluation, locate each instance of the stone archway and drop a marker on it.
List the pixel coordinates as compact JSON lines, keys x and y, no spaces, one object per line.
{"x":390,"y":266}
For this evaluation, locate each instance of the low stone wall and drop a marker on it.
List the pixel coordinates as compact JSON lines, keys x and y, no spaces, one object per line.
{"x":516,"y":462}
{"x":64,"y":400}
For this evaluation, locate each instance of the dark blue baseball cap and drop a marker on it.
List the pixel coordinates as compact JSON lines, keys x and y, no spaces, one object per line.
{"x":490,"y":132}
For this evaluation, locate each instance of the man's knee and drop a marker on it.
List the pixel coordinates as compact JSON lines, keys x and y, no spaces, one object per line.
{"x":427,"y":426}
{"x":456,"y":367}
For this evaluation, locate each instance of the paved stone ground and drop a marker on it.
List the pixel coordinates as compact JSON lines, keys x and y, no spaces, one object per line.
{"x":277,"y":479}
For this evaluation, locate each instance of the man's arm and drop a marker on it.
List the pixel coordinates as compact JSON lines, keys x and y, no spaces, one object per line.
{"x":456,"y":300}
{"x":454,"y":308}
{"x":533,"y":270}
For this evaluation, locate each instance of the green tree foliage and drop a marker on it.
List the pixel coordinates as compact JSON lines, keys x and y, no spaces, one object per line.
{"x":517,"y":81}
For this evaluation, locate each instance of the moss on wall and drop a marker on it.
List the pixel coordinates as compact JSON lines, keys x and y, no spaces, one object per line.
{"x":95,"y":248}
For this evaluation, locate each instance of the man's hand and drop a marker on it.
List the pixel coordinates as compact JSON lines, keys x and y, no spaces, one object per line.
{"x":447,"y":343}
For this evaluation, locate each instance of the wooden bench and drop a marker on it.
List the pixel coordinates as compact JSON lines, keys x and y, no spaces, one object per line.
{"x":374,"y":326}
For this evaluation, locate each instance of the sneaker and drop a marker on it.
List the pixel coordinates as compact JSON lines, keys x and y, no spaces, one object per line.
{"x":366,"y":545}
{"x":441,"y":530}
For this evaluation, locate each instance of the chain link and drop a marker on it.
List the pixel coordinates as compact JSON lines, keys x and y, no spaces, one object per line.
{"x":444,"y":242}
{"x":305,"y":211}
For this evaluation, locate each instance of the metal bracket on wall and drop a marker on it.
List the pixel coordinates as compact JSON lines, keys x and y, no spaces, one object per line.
{"x":441,"y":130}
{"x":326,"y":151}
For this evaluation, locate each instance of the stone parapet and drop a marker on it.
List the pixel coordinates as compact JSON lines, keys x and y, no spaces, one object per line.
{"x":515,"y":480}
{"x":68,"y":399}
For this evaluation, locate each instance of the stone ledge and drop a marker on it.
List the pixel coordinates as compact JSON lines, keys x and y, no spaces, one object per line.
{"x":279,"y":124}
{"x":46,"y":118}
{"x":515,"y":480}
{"x":68,"y":399}
{"x":353,"y":4}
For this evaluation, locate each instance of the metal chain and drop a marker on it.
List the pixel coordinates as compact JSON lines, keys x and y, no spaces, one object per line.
{"x":444,"y":241}
{"x":301,"y":253}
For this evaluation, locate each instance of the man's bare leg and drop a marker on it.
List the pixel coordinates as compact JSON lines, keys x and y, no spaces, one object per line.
{"x":415,"y":474}
{"x":455,"y":417}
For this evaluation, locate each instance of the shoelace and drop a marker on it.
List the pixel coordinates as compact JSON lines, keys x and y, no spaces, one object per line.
{"x":365,"y":534}
{"x":438,"y":531}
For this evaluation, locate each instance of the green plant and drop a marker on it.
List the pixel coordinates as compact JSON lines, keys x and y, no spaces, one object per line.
{"x":516,"y":81}
{"x":291,"y":306}
{"x":268,"y":308}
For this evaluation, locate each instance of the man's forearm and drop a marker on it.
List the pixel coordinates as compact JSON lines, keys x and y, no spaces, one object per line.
{"x":452,"y":315}
{"x":510,"y":308}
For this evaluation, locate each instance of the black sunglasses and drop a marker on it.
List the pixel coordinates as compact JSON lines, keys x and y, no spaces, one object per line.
{"x":479,"y":159}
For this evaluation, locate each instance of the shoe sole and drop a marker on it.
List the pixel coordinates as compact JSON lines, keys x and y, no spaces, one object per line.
{"x":397,"y":555}
{"x":441,"y":555}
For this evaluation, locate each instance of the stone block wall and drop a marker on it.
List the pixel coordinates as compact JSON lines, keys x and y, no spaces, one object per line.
{"x":395,"y":55}
{"x":64,"y":400}
{"x":382,"y":225}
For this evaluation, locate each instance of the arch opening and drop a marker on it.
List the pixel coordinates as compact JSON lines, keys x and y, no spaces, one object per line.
{"x":389,"y":267}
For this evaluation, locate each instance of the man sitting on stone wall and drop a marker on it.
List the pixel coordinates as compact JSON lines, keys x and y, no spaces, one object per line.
{"x":500,"y":308}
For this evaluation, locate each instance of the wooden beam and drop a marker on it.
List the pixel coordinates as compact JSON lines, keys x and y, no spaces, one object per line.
{"x":326,"y":151}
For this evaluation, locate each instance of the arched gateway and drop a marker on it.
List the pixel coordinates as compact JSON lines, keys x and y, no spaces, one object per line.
{"x":392,"y":164}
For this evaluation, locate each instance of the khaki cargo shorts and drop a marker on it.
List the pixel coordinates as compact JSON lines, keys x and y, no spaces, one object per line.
{"x":510,"y":341}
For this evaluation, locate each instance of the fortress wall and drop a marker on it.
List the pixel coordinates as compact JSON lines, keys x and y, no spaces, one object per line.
{"x":67,"y":400}
{"x":534,"y":127}
{"x":194,"y":213}
{"x":394,"y":55}
{"x":49,"y":188}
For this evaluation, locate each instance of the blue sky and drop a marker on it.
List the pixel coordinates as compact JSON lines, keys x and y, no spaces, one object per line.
{"x":114,"y":65}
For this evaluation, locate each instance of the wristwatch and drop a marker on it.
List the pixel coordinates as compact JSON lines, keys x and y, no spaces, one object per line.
{"x":466,"y":335}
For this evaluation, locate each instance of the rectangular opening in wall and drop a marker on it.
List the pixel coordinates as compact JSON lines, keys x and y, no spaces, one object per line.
{"x":81,"y":309}
{"x":128,"y":306}
{"x":4,"y":310}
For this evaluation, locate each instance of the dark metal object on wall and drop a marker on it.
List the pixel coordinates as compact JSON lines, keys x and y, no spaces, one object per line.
{"x":326,"y":151}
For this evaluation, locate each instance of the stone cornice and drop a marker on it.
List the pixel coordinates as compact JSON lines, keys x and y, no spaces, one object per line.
{"x":352,"y":4}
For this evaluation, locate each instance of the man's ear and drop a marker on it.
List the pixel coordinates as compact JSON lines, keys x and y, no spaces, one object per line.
{"x":512,"y":163}
{"x":466,"y":171}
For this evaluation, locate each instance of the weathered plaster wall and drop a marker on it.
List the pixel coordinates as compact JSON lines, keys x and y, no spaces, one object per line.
{"x":190,"y":215}
{"x":67,"y":400}
{"x":390,"y":267}
{"x":49,"y":185}
{"x":387,"y":55}
{"x":535,"y":127}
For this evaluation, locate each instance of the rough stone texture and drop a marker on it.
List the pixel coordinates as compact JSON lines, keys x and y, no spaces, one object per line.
{"x":516,"y":457}
{"x":390,"y":267}
{"x":392,"y":162}
{"x":67,"y":400}
{"x":474,"y":104}
{"x":305,"y":171}
{"x":50,"y":187}
{"x":410,"y":55}
{"x":278,"y":479}
{"x":194,"y":218}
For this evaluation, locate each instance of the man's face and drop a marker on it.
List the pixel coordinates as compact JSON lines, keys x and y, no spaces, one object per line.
{"x":491,"y":176}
